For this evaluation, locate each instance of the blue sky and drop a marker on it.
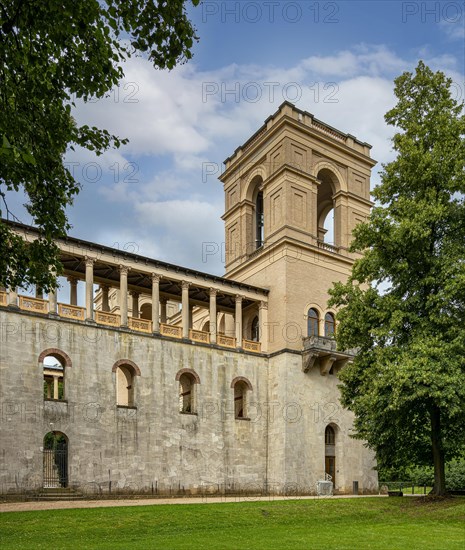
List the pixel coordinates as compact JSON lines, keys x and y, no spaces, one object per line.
{"x":336,"y":60}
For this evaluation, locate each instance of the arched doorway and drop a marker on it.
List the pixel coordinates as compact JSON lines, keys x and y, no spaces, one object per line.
{"x":55,"y":460}
{"x":330,"y":454}
{"x":146,"y":311}
{"x":255,"y":330}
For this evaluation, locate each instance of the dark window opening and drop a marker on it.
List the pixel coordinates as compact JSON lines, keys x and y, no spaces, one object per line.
{"x":313,"y":322}
{"x":330,"y":325}
{"x":259,"y":220}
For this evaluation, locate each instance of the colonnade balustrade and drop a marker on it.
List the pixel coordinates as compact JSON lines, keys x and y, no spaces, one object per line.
{"x":117,"y":316}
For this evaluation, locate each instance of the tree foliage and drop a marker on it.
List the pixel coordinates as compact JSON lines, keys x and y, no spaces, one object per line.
{"x":50,"y":53}
{"x":404,"y":305}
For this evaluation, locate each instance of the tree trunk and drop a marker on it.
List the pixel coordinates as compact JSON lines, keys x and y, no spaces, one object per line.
{"x":439,"y":487}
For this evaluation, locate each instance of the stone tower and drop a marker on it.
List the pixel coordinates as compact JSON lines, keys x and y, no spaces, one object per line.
{"x":280,"y":187}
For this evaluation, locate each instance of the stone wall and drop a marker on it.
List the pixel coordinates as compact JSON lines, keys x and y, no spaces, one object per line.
{"x":154,"y":447}
{"x":308,"y":403}
{"x":134,"y":448}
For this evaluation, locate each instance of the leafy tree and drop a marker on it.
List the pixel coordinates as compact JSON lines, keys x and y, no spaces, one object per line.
{"x":50,"y":52}
{"x":455,"y":474}
{"x":404,"y":305}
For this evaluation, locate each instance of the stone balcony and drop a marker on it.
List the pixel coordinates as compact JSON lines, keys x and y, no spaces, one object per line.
{"x":320,"y":352}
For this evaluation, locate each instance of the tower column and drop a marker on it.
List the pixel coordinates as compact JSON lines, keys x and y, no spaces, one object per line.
{"x":341,"y":233}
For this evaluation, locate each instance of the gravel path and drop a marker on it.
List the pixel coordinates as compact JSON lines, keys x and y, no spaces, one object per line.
{"x":67,"y":504}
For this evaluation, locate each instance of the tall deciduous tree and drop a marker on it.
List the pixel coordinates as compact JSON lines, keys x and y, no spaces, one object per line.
{"x":50,"y":52}
{"x":404,"y":305}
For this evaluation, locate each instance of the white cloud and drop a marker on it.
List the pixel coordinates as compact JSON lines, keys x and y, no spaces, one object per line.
{"x":363,"y":60}
{"x":184,"y":118}
{"x":454,"y":27}
{"x":183,"y":229}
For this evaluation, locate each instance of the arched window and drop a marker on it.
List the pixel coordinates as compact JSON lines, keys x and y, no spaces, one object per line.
{"x":241,"y":387}
{"x":53,"y":362}
{"x":255,"y":330}
{"x":187,"y":379}
{"x":126,"y":372}
{"x":330,"y":436}
{"x":54,"y":378}
{"x":124,"y":386}
{"x":240,"y":391}
{"x":330,"y":325}
{"x":259,"y":221}
{"x":313,"y":322}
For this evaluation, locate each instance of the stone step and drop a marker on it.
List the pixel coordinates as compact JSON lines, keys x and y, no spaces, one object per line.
{"x":46,"y":498}
{"x":49,"y":493}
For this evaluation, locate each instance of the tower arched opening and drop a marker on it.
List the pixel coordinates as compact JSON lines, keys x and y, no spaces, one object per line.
{"x":326,"y":214}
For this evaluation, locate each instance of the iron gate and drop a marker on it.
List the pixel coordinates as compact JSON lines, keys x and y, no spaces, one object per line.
{"x":55,"y":468}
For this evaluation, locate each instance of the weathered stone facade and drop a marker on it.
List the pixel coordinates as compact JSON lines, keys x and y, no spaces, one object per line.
{"x":149,"y":406}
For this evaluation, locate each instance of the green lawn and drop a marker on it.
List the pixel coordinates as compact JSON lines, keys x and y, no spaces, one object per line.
{"x":391,"y":523}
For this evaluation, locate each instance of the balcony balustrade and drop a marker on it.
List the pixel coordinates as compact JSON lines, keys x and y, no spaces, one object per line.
{"x":250,"y":345}
{"x":226,"y":341}
{"x":35,"y":305}
{"x":199,"y":336}
{"x":106,"y":318}
{"x":142,"y":325}
{"x":71,"y":312}
{"x":170,"y":330}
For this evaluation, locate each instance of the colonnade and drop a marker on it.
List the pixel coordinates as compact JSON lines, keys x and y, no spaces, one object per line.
{"x":159,"y":305}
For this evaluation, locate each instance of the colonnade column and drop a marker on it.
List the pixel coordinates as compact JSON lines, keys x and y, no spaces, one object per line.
{"x":263,"y":325}
{"x":238,"y":321}
{"x":123,"y":294}
{"x":89,"y":289}
{"x":13,"y":297}
{"x":163,"y":310}
{"x":135,"y":304}
{"x":72,"y":291}
{"x":156,"y":302}
{"x":191,"y":316}
{"x":213,"y":315}
{"x":52,"y":301}
{"x":185,"y":309}
{"x":105,"y":302}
